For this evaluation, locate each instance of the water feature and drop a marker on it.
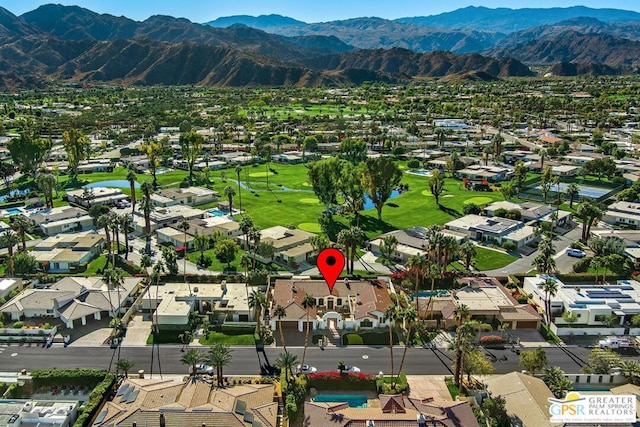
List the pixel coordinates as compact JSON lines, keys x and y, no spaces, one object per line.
{"x":216,"y":212}
{"x":117,"y":183}
{"x":353,"y":400}
{"x":368,"y":203}
{"x":436,"y":293}
{"x":422,"y":172}
{"x":13,"y":211}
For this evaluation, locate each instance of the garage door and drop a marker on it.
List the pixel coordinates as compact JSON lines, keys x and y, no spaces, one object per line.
{"x":292,"y":324}
{"x":527,"y":325}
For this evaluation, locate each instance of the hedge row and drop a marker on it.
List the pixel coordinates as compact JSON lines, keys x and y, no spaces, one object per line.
{"x":344,"y":381}
{"x":96,"y":399}
{"x":67,"y":377}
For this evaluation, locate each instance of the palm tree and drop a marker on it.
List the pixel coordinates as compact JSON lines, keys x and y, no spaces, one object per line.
{"x":229,"y":191}
{"x":124,"y":365}
{"x":417,"y":263}
{"x":449,"y":247}
{"x":544,"y":261}
{"x":572,"y":191}
{"x":21,"y":225}
{"x":590,"y":213}
{"x":467,"y":252}
{"x":280,"y":312}
{"x":219,"y":357}
{"x":246,"y":224}
{"x":432,"y":273}
{"x":287,"y":361}
{"x":131,"y":177}
{"x":550,"y":288}
{"x":308,"y":303}
{"x":114,"y":220}
{"x":145,"y":263}
{"x":184,"y":226}
{"x":192,"y":358}
{"x":391,"y":316}
{"x":201,"y":243}
{"x":255,"y":236}
{"x":238,"y":172}
{"x":9,"y":239}
{"x":258,"y":302}
{"x":409,"y":316}
{"x":126,"y":223}
{"x":114,"y":277}
{"x":461,"y":315}
{"x":104,"y":221}
{"x":46,"y":182}
{"x":463,"y":344}
{"x":147,"y":205}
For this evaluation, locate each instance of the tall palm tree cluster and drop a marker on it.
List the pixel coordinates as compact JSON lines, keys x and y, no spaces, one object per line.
{"x":218,"y":356}
{"x":113,"y":225}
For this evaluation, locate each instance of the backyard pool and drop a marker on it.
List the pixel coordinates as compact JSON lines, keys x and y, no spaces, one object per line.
{"x":585,"y":191}
{"x":117,"y":183}
{"x":422,"y":172}
{"x":216,"y":212}
{"x":354,"y":400}
{"x":368,"y":204}
{"x":436,"y":293}
{"x":13,"y":211}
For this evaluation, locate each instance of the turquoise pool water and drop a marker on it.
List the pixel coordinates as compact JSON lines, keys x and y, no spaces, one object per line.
{"x":216,"y":212}
{"x":436,"y":293}
{"x":13,"y":211}
{"x":354,"y":400}
{"x":117,"y":183}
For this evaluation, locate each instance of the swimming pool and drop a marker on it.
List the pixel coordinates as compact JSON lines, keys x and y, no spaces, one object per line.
{"x":216,"y":212}
{"x":368,"y":203}
{"x":353,"y":400}
{"x":436,"y":293}
{"x":117,"y":183}
{"x":13,"y":211}
{"x":422,"y":172}
{"x":585,"y":191}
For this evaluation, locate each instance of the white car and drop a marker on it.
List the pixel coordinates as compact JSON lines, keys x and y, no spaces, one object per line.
{"x":576,"y":253}
{"x":306,"y":369}
{"x":353,"y":369}
{"x":204,"y":369}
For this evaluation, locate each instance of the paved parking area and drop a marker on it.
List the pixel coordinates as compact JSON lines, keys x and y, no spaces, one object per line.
{"x":138,"y":330}
{"x":423,"y":386}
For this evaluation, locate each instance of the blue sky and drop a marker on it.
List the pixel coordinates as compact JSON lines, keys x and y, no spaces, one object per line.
{"x":305,"y":10}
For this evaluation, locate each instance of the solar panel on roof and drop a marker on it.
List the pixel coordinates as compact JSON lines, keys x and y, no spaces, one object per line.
{"x":241,"y":407}
{"x":101,"y":416}
{"x":133,"y":396}
{"x":248,"y":417}
{"x":122,"y":390}
{"x":256,"y":424}
{"x":126,"y":395}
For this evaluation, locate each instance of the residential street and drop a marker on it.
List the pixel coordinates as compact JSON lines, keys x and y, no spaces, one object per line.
{"x":246,"y":361}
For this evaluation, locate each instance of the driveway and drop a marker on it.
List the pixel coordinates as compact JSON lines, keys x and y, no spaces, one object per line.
{"x":564,"y":263}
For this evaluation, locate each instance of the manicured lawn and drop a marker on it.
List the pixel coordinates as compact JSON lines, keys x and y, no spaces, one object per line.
{"x":487,"y":259}
{"x":369,"y":338}
{"x":221,"y":338}
{"x":95,"y":265}
{"x":216,"y":265}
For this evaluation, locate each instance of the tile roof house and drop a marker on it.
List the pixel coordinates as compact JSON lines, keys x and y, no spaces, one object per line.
{"x":73,"y":300}
{"x":351,"y":304}
{"x":526,"y":398}
{"x":193,"y":403}
{"x":393,"y":411}
{"x":63,"y":252}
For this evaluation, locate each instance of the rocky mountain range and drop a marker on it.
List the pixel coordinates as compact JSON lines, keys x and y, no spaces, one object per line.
{"x":75,"y":44}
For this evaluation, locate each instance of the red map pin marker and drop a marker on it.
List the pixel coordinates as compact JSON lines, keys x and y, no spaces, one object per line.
{"x":330,"y":263}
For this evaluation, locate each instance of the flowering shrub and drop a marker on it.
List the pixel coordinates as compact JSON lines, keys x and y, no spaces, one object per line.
{"x":345,"y":381}
{"x":491,"y":339}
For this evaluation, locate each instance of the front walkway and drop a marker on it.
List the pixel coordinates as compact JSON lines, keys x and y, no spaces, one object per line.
{"x":138,"y":330}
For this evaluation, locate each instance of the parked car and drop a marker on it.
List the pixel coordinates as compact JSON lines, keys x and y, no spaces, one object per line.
{"x":576,"y":253}
{"x":306,"y":369}
{"x":204,"y":369}
{"x":353,"y":369}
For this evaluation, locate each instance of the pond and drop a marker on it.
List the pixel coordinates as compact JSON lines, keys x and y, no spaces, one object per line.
{"x":353,"y":400}
{"x":117,"y":183}
{"x":368,"y":203}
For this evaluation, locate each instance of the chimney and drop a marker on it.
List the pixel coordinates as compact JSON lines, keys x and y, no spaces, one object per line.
{"x":370,"y":423}
{"x":422,"y":420}
{"x":162,"y":420}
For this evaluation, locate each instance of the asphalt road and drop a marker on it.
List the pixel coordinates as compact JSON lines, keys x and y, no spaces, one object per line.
{"x":247,"y":361}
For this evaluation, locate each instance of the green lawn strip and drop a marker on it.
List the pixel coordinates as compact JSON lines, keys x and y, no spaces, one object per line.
{"x":216,"y":265}
{"x":222,"y":338}
{"x":95,"y":265}
{"x":369,"y":338}
{"x":487,"y":259}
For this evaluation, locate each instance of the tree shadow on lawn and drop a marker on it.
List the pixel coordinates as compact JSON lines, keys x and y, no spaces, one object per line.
{"x":450,"y":211}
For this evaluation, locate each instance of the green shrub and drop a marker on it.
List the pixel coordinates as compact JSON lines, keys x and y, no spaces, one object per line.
{"x":522,"y":299}
{"x":354,"y":339}
{"x":413,"y":164}
{"x":509,"y":246}
{"x":471,"y":209}
{"x":67,"y":377}
{"x":582,"y":265}
{"x":96,"y":399}
{"x":18,"y":325}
